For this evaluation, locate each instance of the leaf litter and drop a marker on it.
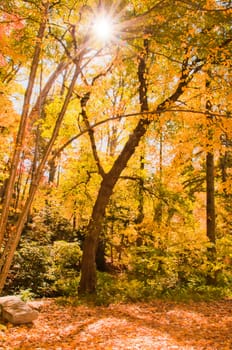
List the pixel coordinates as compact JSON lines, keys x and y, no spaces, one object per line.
{"x":156,"y":325}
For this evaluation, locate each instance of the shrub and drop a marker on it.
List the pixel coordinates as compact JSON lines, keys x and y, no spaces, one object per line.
{"x":30,"y":270}
{"x":45,"y":270}
{"x":66,"y":258}
{"x":118,"y":288}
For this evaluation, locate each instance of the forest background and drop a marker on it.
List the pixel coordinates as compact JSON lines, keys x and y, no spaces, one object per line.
{"x":115,"y":154}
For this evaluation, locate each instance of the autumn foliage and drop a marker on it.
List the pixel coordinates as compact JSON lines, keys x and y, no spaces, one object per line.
{"x":10,"y":25}
{"x":115,"y":153}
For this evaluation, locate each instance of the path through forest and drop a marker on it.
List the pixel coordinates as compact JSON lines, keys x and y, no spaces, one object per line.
{"x":157,"y":325}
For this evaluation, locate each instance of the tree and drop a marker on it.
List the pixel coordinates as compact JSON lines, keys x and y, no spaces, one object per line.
{"x":88,"y":277}
{"x":79,"y":58}
{"x":164,"y":50}
{"x":192,"y":63}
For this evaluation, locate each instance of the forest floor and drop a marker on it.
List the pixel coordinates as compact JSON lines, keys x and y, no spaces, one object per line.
{"x":147,"y":326}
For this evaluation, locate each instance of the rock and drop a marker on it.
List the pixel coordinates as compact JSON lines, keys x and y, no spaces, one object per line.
{"x":14,"y":310}
{"x":36,"y":305}
{"x":8,"y":300}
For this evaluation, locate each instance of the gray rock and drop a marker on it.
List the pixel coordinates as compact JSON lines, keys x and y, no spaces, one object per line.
{"x":15,"y":311}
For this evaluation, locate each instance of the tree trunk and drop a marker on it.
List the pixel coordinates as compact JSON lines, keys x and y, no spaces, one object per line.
{"x":210,"y":193}
{"x":9,"y":250}
{"x":100,"y":255}
{"x":210,"y":200}
{"x":22,"y":127}
{"x":210,"y":196}
{"x":18,"y":184}
{"x":210,"y":215}
{"x":158,"y":208}
{"x":52,"y":169}
{"x":140,"y":215}
{"x":88,"y":269}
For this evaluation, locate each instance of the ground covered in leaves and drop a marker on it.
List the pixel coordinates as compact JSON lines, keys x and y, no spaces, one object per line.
{"x":157,"y":325}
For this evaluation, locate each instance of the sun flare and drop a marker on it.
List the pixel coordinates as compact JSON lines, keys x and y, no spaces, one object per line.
{"x":111,"y":25}
{"x":103,"y":27}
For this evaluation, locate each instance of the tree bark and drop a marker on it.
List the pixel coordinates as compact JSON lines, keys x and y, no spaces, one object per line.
{"x":52,"y":163}
{"x":210,"y":193}
{"x":140,"y":215}
{"x":210,"y":215}
{"x":210,"y":200}
{"x":158,"y":210}
{"x":23,"y":125}
{"x":88,"y":269}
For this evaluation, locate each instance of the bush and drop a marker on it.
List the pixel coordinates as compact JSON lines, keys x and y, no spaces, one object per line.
{"x":66,"y":287}
{"x":45,"y":270}
{"x":181,"y":271}
{"x":156,"y":268}
{"x":30,"y":270}
{"x":66,"y":256}
{"x":48,"y":226}
{"x":66,"y":259}
{"x":42,"y":264}
{"x":118,"y":288}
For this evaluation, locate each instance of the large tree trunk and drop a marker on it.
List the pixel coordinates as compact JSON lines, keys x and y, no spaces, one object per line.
{"x":88,"y":269}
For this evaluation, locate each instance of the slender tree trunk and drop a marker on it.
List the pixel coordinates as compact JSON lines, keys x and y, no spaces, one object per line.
{"x":140,"y":215}
{"x":9,"y":250}
{"x":210,"y":193}
{"x":52,"y":169}
{"x":210,"y":215}
{"x":44,"y":92}
{"x":18,"y":183}
{"x":210,"y":201}
{"x":160,"y":219}
{"x":223,"y":166}
{"x":3,"y":188}
{"x":158,"y":212}
{"x":23,"y":125}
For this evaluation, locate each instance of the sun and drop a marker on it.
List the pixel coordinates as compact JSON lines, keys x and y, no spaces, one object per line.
{"x":111,"y":25}
{"x":103,"y":27}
